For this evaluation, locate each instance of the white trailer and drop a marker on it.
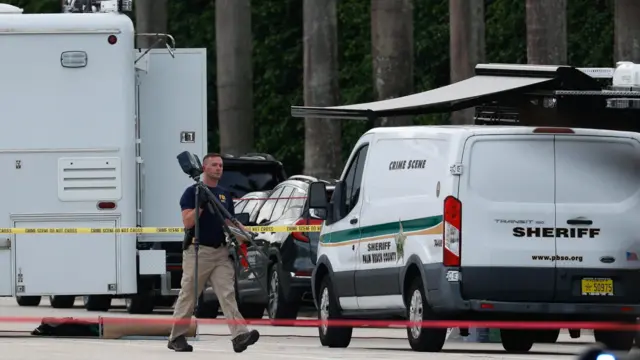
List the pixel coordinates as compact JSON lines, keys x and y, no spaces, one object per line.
{"x":91,"y":127}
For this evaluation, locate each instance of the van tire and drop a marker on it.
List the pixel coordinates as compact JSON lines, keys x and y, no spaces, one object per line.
{"x":422,"y":339}
{"x":28,"y":300}
{"x":517,"y":341}
{"x":615,"y":340}
{"x":328,"y":309}
{"x":62,"y":301}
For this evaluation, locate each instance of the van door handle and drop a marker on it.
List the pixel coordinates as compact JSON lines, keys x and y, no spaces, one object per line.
{"x":579,"y":222}
{"x":353,"y":221}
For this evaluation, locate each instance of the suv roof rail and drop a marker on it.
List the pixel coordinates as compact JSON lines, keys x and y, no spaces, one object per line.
{"x":264,"y":156}
{"x":302,"y":178}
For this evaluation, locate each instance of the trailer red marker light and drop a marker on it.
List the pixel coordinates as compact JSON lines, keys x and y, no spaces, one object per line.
{"x":486,"y":306}
{"x":112,"y":39}
{"x":106,"y":205}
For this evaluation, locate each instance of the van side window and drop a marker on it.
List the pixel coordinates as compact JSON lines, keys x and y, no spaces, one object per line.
{"x":353,"y":180}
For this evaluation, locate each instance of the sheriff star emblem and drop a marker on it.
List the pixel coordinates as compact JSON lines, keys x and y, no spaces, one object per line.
{"x":400,"y":237}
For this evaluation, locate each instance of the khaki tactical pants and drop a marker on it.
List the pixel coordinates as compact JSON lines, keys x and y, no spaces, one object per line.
{"x":214,"y":266}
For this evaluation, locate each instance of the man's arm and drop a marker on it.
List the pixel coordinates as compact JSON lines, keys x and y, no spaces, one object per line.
{"x":188,"y":206}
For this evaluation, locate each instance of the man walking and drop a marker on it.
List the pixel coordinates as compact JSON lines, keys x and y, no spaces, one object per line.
{"x":213,"y":263}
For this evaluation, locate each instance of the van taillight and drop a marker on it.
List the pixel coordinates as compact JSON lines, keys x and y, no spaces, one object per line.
{"x":452,"y":231}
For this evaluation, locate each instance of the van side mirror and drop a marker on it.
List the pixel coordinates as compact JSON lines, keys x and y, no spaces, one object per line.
{"x":317,"y":196}
{"x":243,"y":218}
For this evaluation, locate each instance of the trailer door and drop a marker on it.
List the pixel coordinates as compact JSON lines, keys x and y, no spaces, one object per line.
{"x":172,"y":100}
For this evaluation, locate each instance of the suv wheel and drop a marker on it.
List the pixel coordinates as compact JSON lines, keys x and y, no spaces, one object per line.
{"x":615,"y":340}
{"x":517,"y":341}
{"x":207,"y":309}
{"x":418,"y":310}
{"x":278,"y":307}
{"x":331,"y":336}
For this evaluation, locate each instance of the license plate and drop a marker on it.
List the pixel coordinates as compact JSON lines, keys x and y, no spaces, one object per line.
{"x":597,"y":287}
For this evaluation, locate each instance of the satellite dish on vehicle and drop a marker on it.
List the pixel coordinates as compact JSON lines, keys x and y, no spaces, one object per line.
{"x":10,"y":9}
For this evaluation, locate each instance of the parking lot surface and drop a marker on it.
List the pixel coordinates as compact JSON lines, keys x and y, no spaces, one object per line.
{"x":213,"y":342}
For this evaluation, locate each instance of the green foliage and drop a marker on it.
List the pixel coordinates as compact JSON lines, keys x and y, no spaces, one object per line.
{"x":277,"y":56}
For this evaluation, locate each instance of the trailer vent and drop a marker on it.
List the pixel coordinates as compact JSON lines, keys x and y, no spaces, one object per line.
{"x":89,"y":179}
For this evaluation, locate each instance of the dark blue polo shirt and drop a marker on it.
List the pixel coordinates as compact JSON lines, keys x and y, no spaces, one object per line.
{"x":211,"y":230}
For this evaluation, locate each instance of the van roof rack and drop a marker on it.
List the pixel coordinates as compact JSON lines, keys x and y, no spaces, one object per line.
{"x":495,"y":114}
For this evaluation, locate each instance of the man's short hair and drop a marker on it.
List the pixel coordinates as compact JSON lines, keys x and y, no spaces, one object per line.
{"x":210,"y":155}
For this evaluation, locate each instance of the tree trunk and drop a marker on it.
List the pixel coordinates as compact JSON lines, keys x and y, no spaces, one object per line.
{"x":392,"y":48}
{"x":234,"y":76}
{"x":627,"y":30}
{"x":546,"y":32}
{"x":466,"y":46}
{"x":151,"y":17}
{"x":323,"y":140}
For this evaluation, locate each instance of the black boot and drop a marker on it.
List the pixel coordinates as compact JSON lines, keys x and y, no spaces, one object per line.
{"x":243,"y":341}
{"x":180,"y":344}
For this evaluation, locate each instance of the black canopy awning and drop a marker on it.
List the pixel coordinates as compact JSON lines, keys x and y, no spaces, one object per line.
{"x":491,"y":82}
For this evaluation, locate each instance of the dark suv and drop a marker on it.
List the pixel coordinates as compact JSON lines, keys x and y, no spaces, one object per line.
{"x":251,"y":172}
{"x":241,"y":175}
{"x":292,"y":256}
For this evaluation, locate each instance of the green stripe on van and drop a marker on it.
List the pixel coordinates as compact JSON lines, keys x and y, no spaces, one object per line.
{"x":380,"y":229}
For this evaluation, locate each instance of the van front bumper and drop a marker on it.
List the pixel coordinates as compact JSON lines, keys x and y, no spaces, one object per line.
{"x":444,"y":295}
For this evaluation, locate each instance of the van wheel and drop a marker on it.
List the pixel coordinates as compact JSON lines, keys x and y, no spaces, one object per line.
{"x":278,"y":307}
{"x":28,"y":300}
{"x":97,"y":302}
{"x":331,"y":336}
{"x":418,"y":310}
{"x":62,"y":301}
{"x":547,"y":336}
{"x":517,"y":341}
{"x":615,"y":340}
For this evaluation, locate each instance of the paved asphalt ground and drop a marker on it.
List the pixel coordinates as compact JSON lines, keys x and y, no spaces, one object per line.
{"x":282,"y":343}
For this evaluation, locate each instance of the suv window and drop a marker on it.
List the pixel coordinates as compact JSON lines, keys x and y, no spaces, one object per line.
{"x":244,"y":176}
{"x":267,"y":208}
{"x":278,"y":209}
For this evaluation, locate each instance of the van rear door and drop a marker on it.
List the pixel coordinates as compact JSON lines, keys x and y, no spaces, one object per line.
{"x":597,"y":214}
{"x":508,"y":215}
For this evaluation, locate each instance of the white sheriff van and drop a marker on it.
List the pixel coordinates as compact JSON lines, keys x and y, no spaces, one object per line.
{"x":482,"y":222}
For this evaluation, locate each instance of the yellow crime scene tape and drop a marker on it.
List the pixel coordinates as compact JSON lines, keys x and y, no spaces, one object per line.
{"x":150,"y":230}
